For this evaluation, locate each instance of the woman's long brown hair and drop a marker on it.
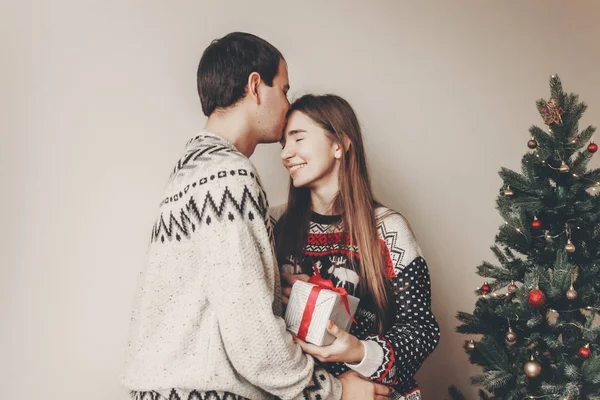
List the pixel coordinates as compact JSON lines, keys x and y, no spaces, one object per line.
{"x":354,"y":200}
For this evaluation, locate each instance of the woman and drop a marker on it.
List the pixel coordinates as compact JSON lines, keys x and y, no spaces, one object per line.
{"x":333,"y":224}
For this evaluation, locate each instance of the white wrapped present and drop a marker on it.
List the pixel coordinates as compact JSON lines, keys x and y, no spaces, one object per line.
{"x":311,"y":306}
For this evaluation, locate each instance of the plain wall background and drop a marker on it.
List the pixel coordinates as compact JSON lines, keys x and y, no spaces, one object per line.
{"x":98,"y":100}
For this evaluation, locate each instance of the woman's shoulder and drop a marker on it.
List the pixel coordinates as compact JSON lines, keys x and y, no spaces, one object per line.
{"x":394,"y":229}
{"x":392,"y":219}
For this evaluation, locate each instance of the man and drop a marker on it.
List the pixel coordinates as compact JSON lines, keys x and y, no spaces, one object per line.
{"x":206,"y":321}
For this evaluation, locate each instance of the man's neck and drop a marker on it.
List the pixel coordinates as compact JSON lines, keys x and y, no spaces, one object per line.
{"x":232,"y":126}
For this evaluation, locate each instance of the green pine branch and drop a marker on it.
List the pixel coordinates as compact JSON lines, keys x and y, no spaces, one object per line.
{"x":590,"y":371}
{"x":455,"y":394}
{"x":492,"y":379}
{"x":584,"y":137}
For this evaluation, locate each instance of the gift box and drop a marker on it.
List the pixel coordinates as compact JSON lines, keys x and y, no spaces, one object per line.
{"x":312,"y":304}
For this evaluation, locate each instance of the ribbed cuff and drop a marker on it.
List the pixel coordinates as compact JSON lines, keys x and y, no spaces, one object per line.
{"x":336,"y":389}
{"x":372,"y":360}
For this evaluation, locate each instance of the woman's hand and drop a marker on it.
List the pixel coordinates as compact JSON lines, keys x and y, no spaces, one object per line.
{"x":346,"y":347}
{"x":287,"y":281}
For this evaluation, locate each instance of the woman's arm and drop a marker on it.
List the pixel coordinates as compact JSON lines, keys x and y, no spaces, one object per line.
{"x":397,"y":354}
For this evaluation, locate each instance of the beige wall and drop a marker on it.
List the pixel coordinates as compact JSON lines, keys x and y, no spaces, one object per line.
{"x":99,"y":98}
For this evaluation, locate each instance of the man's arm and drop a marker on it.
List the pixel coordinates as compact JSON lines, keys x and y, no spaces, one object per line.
{"x":236,"y":251}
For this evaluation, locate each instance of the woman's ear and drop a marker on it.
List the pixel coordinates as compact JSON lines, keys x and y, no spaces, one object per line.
{"x":338,"y":148}
{"x":337,"y":151}
{"x":252,"y":86}
{"x":347,"y":143}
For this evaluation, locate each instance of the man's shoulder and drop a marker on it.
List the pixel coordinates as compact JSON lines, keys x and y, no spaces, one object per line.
{"x":212,"y":170}
{"x":209,"y":159}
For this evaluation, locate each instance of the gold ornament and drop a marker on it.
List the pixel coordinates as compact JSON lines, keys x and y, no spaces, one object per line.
{"x":571,"y":293}
{"x":564,"y":167}
{"x":511,"y":337}
{"x":512,"y":287}
{"x":469,"y":345}
{"x":551,"y":112}
{"x":508,"y":192}
{"x":548,"y":236}
{"x":532,"y":368}
{"x":569,"y":247}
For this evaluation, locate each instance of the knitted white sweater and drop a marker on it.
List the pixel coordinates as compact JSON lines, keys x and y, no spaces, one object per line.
{"x":207,"y":313}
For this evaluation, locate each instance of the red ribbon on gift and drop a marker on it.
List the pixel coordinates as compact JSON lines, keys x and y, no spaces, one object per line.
{"x":320,"y":284}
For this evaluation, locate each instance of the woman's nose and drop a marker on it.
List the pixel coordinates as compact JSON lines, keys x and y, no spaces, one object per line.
{"x":287,"y":152}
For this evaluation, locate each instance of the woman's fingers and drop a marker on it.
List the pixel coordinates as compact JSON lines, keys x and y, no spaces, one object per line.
{"x":289,"y":280}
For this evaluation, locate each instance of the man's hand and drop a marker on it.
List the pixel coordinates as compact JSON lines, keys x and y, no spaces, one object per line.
{"x":356,"y":387}
{"x":287,"y":281}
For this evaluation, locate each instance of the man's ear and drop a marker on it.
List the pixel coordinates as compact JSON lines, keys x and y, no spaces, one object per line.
{"x":254,"y":81}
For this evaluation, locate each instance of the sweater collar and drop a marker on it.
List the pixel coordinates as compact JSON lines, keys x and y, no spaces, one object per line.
{"x":325,"y":219}
{"x":207,"y":134}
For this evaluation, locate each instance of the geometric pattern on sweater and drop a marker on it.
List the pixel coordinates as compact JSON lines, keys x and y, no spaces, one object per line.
{"x":205,"y":149}
{"x":414,"y":394}
{"x":316,"y":227}
{"x":387,"y":373}
{"x":414,"y":332}
{"x":329,"y":243}
{"x":312,"y":391}
{"x":206,"y":179}
{"x":191,"y":217}
{"x":332,"y":243}
{"x":396,"y":232}
{"x":177,"y":394}
{"x":391,"y":239}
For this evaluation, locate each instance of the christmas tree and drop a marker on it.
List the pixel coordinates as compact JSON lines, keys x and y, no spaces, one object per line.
{"x":537,"y":336}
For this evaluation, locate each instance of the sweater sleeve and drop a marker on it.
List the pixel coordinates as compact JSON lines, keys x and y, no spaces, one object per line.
{"x":396,"y":356}
{"x":236,"y":243}
{"x":276,"y":212}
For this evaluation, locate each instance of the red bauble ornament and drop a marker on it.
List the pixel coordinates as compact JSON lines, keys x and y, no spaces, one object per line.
{"x":585,"y":351}
{"x":532,"y":144}
{"x":592,"y":147}
{"x":485,"y":289}
{"x":536,"y":298}
{"x":536,"y":223}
